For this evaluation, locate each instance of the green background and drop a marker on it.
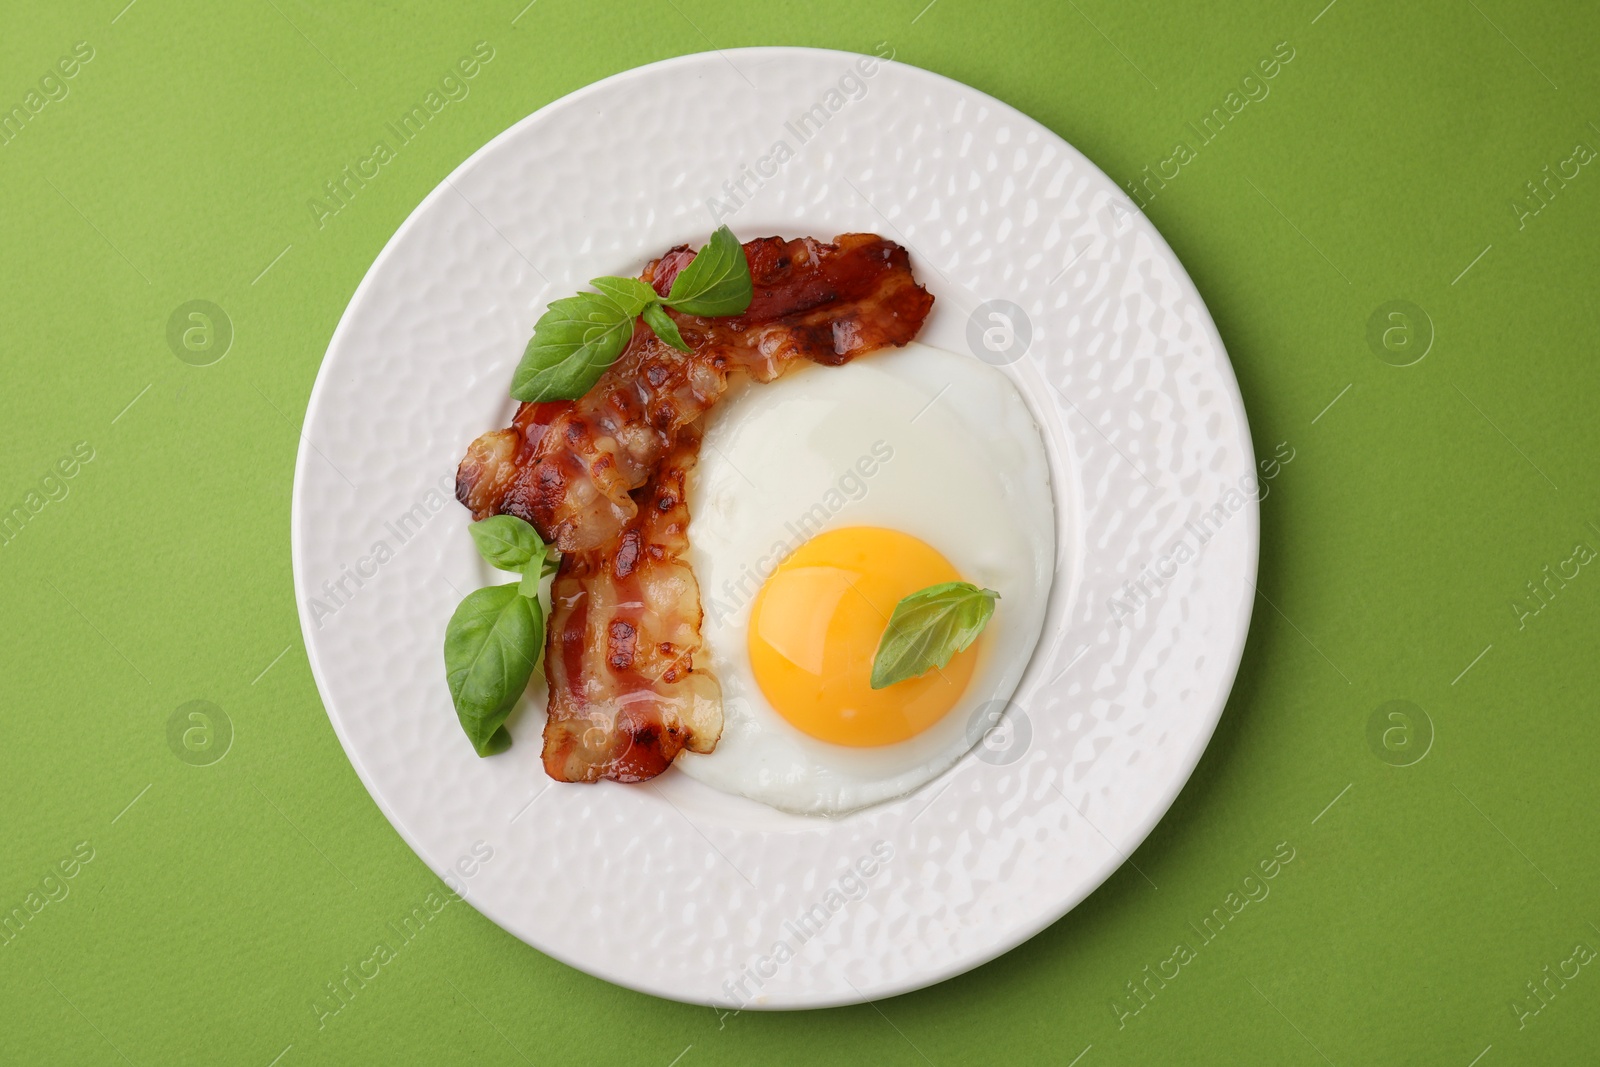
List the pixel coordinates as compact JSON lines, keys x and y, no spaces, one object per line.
{"x":1382,"y":166}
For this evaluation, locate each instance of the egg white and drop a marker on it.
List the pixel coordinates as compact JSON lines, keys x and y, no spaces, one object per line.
{"x":934,"y":444}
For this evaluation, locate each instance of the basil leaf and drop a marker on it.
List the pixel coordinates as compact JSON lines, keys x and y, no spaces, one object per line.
{"x":656,"y":317}
{"x":507,"y":542}
{"x":716,"y":281}
{"x":629,"y":294}
{"x":529,"y":586}
{"x":928,"y":627}
{"x":490,"y":649}
{"x":573,"y":343}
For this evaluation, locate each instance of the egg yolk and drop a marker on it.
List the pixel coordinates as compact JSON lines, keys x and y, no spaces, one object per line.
{"x":815,"y":628}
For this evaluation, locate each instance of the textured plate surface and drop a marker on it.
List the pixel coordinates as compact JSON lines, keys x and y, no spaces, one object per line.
{"x":671,"y":888}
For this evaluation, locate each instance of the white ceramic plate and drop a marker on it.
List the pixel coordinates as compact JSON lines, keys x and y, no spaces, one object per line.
{"x":672,"y":888}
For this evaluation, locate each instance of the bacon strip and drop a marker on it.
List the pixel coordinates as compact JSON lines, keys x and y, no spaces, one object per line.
{"x":624,"y":635}
{"x":603,"y":478}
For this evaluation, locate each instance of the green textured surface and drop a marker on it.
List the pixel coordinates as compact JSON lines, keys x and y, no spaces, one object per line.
{"x":1416,"y":510}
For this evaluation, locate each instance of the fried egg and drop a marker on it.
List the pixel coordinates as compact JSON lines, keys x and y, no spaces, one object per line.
{"x":819,"y":501}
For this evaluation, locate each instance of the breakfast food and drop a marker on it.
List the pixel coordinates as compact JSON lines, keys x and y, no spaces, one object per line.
{"x":692,"y":464}
{"x":571,"y":467}
{"x":626,"y":691}
{"x":819,"y":501}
